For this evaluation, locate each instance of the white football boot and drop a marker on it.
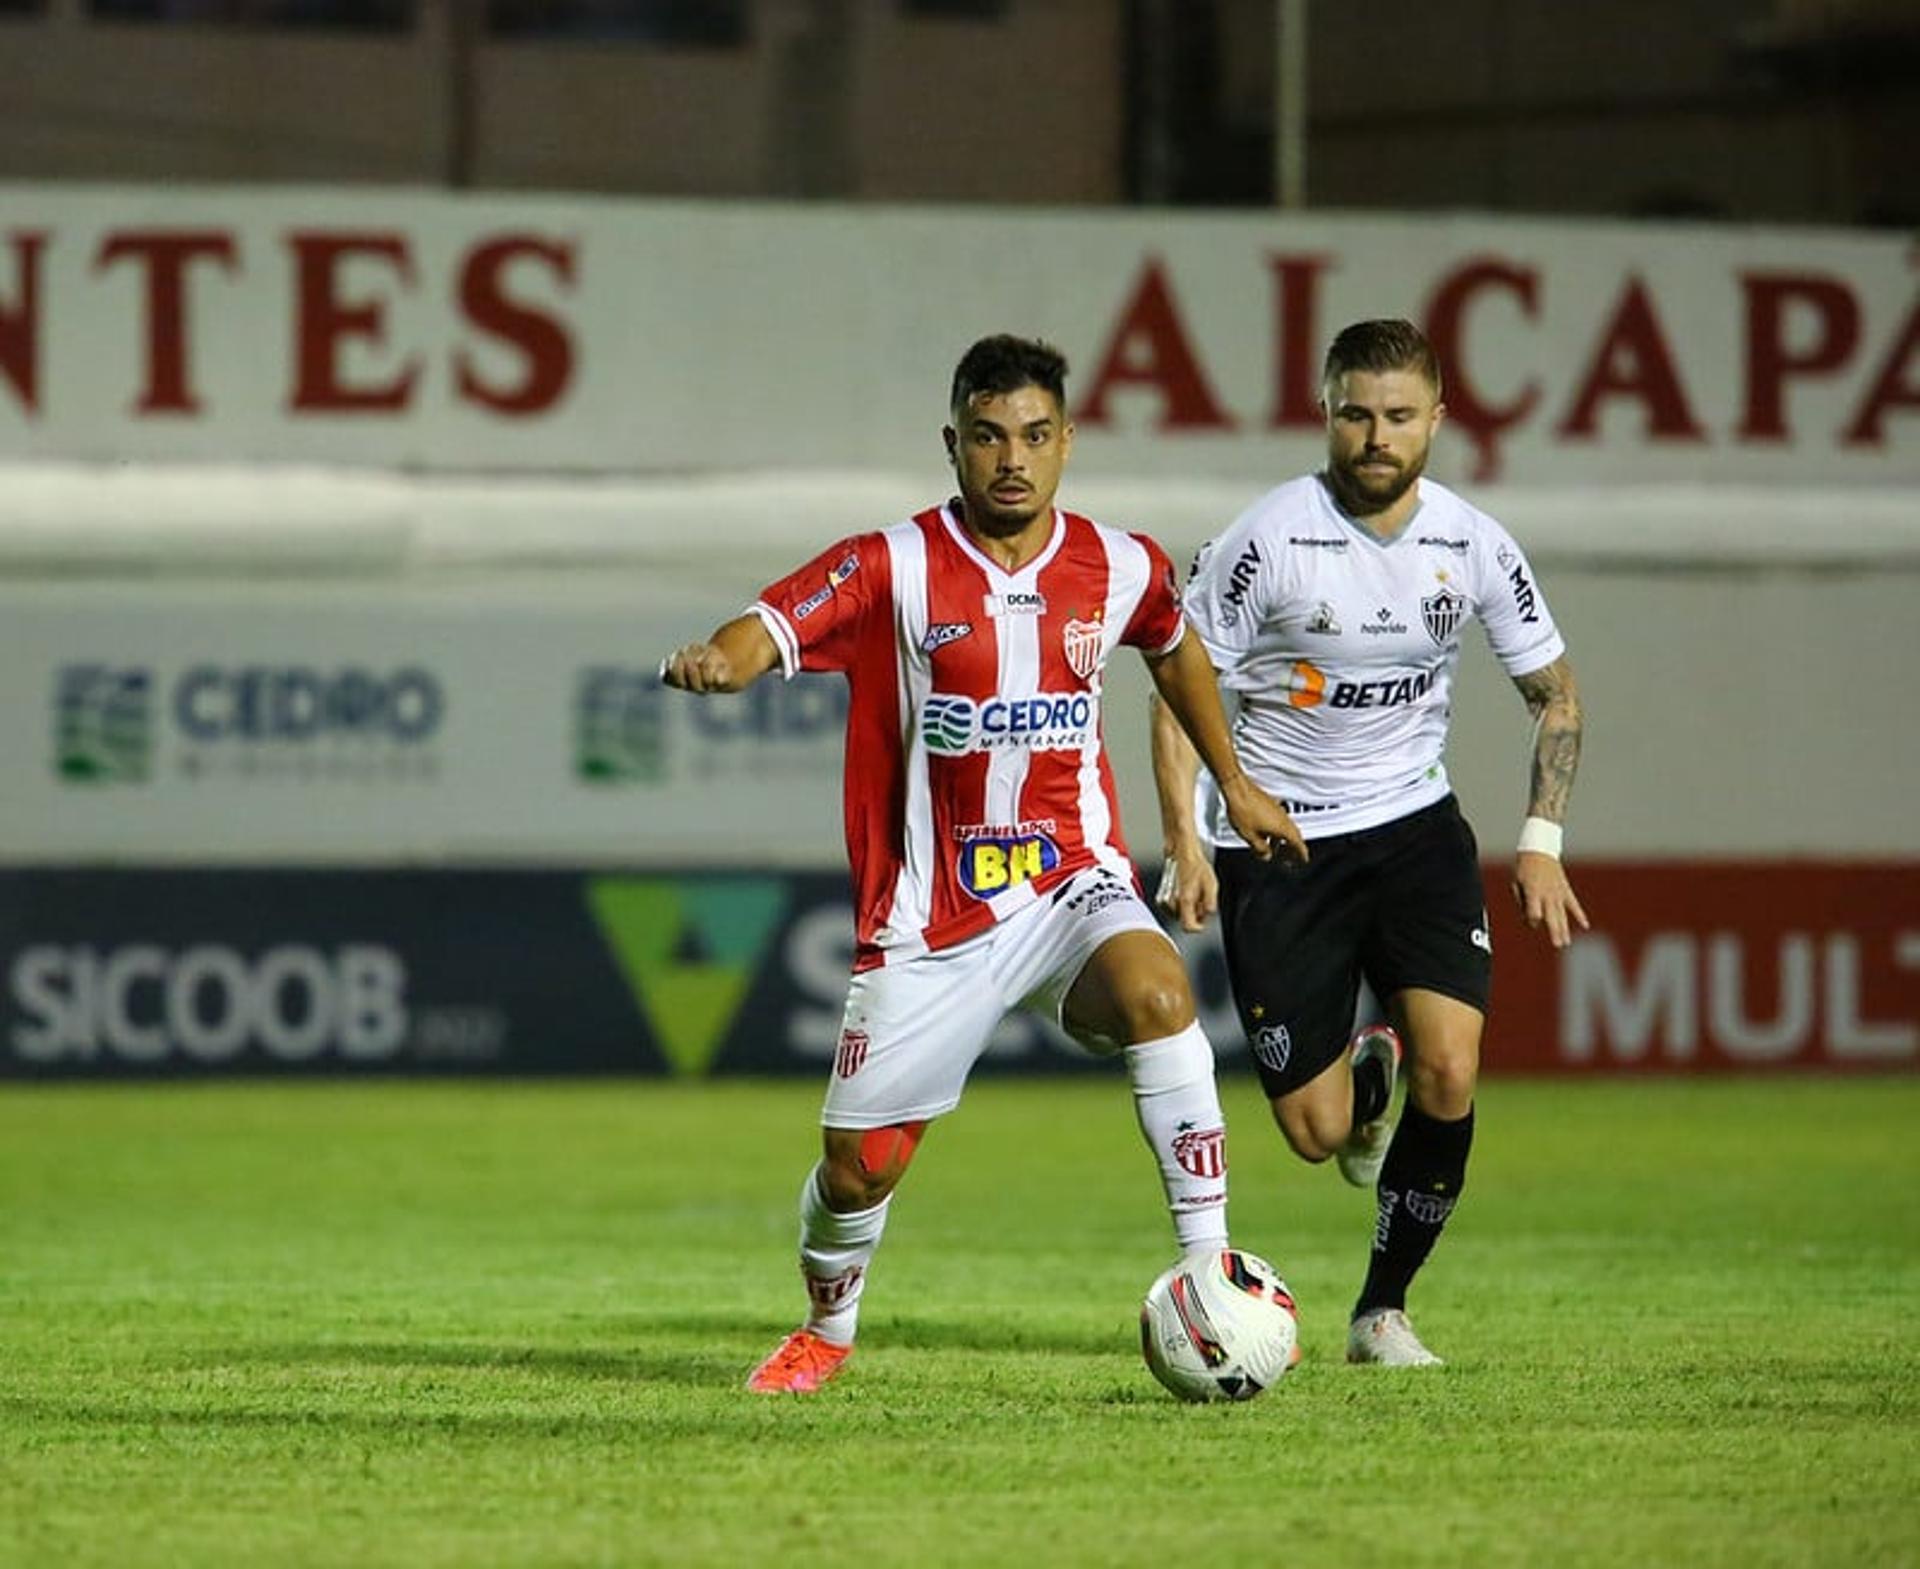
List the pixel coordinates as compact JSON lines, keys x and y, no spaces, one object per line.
{"x":1365,"y":1151}
{"x":1385,"y":1338}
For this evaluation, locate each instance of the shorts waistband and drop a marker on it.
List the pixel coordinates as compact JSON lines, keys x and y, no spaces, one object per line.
{"x":1447,"y":806}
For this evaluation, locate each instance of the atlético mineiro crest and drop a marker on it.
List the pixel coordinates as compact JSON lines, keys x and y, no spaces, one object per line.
{"x":1442,"y":613}
{"x":1083,"y":640}
{"x":1201,"y":1152}
{"x":852,"y":1054}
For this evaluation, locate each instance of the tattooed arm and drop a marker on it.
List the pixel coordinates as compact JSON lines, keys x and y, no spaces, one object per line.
{"x":1540,"y":885}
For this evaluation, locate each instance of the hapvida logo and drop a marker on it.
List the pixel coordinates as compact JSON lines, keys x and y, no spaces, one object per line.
{"x":688,"y":951}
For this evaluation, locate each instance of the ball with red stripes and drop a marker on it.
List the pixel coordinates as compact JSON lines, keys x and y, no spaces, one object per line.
{"x":1219,"y":1325}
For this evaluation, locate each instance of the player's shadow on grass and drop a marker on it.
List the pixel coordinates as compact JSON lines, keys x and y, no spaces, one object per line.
{"x":660,"y":1362}
{"x":996,"y":1337}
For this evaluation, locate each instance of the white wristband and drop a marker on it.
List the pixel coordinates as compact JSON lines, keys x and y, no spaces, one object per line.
{"x":1541,"y":837}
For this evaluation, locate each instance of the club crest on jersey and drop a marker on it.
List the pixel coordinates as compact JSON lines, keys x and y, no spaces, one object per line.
{"x":1442,"y":613}
{"x":990,"y":866}
{"x":1083,"y":640}
{"x":1324,"y":622}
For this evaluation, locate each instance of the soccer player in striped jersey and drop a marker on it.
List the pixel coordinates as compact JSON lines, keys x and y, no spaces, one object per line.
{"x":1334,"y":607}
{"x":982,"y":827}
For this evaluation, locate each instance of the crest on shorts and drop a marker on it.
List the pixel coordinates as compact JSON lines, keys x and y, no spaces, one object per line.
{"x":1083,"y":640}
{"x":1273,"y":1046}
{"x":852,"y":1053}
{"x":1442,"y":613}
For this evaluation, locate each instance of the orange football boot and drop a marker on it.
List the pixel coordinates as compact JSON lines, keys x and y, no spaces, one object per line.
{"x":800,"y":1364}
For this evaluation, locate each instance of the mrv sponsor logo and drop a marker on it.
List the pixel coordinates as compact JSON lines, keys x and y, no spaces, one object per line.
{"x":630,"y":729}
{"x":256,"y":720}
{"x":953,"y":726}
{"x":144,"y":1003}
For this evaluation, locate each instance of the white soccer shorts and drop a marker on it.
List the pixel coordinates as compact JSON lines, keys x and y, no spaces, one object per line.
{"x":913,"y":1030}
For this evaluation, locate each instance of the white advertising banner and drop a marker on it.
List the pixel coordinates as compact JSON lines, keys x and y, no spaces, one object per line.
{"x":476,"y":720}
{"x":268,"y":722}
{"x":538,"y":334}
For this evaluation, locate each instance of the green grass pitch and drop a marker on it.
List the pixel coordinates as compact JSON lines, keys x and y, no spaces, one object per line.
{"x":501,"y":1324}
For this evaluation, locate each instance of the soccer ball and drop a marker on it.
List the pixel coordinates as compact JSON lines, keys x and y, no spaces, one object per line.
{"x":1219,"y":1325}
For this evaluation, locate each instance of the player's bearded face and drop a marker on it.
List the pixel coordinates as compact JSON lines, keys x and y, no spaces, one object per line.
{"x":1008,"y":450}
{"x":1380,"y":429}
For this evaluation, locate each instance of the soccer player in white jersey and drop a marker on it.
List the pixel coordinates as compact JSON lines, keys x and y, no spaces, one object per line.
{"x":981,"y":822}
{"x":1334,"y":607}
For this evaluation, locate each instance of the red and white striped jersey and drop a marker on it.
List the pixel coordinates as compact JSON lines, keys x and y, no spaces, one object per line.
{"x":975,"y":777}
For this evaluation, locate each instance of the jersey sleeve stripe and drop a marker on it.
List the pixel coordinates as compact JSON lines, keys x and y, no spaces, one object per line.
{"x":782,"y":633}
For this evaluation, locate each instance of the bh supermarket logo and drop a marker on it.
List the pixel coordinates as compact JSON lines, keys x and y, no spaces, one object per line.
{"x":266,"y":721}
{"x":102,"y":725}
{"x":952,"y":726}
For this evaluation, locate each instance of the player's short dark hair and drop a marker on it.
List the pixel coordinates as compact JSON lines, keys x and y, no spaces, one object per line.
{"x":1380,"y":346}
{"x":1003,"y":364}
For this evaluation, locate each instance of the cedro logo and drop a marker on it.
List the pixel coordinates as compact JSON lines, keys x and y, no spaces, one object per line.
{"x":1045,"y":722}
{"x":102,"y":724}
{"x":298,"y":703}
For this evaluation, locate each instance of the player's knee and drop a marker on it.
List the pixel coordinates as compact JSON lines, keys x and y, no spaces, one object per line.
{"x":861,"y":1169}
{"x":1307,"y":1136}
{"x":1444,"y":1086}
{"x":848,"y":1186}
{"x":1156,"y":1007}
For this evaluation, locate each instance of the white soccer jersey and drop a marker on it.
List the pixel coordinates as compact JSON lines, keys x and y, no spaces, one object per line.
{"x":1342,"y":649}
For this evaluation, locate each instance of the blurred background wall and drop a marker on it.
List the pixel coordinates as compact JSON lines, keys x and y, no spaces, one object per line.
{"x":1792,"y":111}
{"x":386,"y":384}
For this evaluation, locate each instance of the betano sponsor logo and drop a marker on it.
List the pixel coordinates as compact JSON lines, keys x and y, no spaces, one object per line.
{"x":951,"y":725}
{"x":1307,"y":686}
{"x":688,"y":950}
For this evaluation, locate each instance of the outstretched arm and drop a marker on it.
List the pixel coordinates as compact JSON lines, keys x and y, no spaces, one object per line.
{"x":737,"y":655}
{"x":1540,"y":885}
{"x":1188,"y":692}
{"x":1189,"y":890}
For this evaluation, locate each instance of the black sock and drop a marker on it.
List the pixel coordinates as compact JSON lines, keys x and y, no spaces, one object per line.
{"x":1369,"y":1090}
{"x":1425,"y":1169}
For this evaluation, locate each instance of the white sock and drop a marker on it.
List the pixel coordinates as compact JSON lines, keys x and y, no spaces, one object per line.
{"x":834,"y":1253}
{"x":1179,"y":1108}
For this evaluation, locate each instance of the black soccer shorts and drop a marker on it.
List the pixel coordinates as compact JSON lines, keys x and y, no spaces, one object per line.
{"x":1401,"y":905}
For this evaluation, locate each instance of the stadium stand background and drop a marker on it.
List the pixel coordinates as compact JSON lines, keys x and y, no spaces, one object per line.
{"x":1737,"y":581}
